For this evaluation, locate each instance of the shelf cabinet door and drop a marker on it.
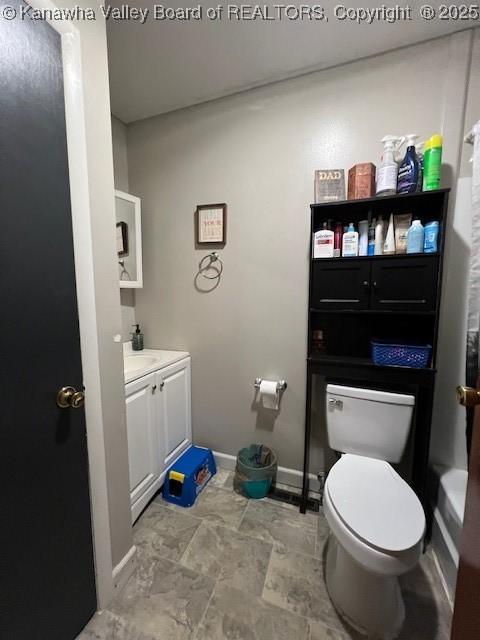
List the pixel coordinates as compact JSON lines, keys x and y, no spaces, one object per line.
{"x":174,"y":405}
{"x":341,"y":285}
{"x":408,"y":284}
{"x":143,"y":458}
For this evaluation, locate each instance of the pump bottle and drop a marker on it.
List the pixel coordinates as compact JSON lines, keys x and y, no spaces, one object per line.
{"x":350,"y":242}
{"x":137,"y":339}
{"x":387,"y":172}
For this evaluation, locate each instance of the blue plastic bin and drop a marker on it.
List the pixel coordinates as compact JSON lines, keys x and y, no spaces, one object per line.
{"x":188,"y":476}
{"x":400,"y":355}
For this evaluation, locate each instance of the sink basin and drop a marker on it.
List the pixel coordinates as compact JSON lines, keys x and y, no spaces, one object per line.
{"x":135,"y":363}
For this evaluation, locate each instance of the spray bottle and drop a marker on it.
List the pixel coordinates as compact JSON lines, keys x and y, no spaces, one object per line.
{"x":409,"y":168}
{"x":388,"y":170}
{"x":432,"y":163}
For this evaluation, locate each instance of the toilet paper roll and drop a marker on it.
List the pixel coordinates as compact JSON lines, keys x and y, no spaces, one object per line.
{"x":268,"y":391}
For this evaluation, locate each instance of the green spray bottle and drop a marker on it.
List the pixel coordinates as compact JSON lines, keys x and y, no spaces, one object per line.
{"x":432,"y":163}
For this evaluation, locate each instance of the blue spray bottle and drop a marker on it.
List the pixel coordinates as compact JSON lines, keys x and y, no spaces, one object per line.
{"x":409,"y":169}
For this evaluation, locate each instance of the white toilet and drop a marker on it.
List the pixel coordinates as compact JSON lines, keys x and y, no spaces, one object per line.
{"x":376,"y":521}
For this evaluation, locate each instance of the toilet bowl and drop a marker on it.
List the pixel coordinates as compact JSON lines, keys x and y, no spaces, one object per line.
{"x":376,"y":521}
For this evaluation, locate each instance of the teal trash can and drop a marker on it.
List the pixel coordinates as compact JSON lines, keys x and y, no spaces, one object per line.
{"x":255,"y":471}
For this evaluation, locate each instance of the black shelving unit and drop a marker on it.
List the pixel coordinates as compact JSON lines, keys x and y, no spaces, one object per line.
{"x":394,"y":297}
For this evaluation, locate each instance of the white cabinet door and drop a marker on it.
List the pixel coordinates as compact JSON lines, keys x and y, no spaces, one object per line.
{"x":174,"y":409}
{"x":143,"y":454}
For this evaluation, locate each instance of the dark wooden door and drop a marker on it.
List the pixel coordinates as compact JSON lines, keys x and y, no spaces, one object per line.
{"x":404,"y":284}
{"x":466,"y":618}
{"x":47,"y":579}
{"x":342,"y":283}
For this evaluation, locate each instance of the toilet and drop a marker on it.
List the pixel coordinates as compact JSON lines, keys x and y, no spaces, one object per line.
{"x":376,"y":521}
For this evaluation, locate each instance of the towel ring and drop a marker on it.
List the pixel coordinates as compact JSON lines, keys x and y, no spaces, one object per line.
{"x":123,"y":271}
{"x":212,"y":257}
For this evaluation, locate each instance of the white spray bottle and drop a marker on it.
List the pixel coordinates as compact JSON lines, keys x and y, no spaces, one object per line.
{"x":387,"y":172}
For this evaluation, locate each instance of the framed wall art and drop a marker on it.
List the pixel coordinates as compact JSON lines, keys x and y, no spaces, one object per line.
{"x":211,"y":224}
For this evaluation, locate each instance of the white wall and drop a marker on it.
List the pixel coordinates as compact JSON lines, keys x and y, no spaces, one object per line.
{"x":107,"y":301}
{"x":120,"y":172}
{"x":257,"y":151}
{"x":120,"y":157}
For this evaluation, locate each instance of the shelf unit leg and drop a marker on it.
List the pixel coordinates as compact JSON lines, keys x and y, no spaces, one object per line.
{"x":423,"y":421}
{"x":306,"y":451}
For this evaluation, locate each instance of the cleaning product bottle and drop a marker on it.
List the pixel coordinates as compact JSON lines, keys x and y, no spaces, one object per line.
{"x":430,"y":243}
{"x":419,"y":151}
{"x":387,"y":171}
{"x":350,"y":242}
{"x":323,"y":243}
{"x":432,"y":163}
{"x":371,"y":238}
{"x":137,"y":339}
{"x":415,"y":237}
{"x":337,"y":240}
{"x":389,"y":245}
{"x":363,"y":238}
{"x":379,"y":237}
{"x":408,"y":171}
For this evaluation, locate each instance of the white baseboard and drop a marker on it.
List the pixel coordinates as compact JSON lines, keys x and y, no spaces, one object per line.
{"x":291,"y":477}
{"x":145,"y":497}
{"x":445,"y":553}
{"x":124,"y":569}
{"x":449,"y":594}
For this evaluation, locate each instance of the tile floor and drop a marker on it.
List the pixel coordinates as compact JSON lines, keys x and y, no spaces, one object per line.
{"x":236,"y":569}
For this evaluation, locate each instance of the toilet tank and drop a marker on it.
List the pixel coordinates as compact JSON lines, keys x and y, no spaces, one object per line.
{"x":368,"y":423}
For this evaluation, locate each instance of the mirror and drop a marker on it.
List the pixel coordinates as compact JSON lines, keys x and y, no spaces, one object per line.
{"x":129,"y":240}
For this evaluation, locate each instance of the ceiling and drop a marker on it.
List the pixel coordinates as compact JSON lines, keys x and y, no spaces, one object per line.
{"x":163,"y":65}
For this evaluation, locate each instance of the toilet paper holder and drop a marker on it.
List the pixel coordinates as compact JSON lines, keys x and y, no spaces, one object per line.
{"x":281,"y":384}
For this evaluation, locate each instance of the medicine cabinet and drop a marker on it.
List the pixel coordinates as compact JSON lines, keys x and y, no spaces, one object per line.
{"x":129,"y":240}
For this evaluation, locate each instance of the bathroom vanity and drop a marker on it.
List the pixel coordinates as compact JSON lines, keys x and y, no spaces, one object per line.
{"x":159,"y":424}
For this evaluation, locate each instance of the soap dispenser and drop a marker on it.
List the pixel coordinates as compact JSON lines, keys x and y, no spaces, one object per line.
{"x":137,"y":338}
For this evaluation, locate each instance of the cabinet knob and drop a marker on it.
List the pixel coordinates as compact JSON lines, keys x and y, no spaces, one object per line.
{"x":162,"y":384}
{"x":154,"y":388}
{"x":365,"y":283}
{"x":374,"y":284}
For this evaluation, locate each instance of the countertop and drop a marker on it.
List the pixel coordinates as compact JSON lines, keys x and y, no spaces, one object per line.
{"x":162,"y":358}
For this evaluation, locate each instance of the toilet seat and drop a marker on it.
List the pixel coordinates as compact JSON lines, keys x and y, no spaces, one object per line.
{"x":375,"y":504}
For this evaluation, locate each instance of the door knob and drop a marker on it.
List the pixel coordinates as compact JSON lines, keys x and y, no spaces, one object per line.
{"x":70,"y":397}
{"x":468,"y":396}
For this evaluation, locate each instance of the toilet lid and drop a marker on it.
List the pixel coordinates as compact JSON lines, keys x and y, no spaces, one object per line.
{"x":375,"y":503}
